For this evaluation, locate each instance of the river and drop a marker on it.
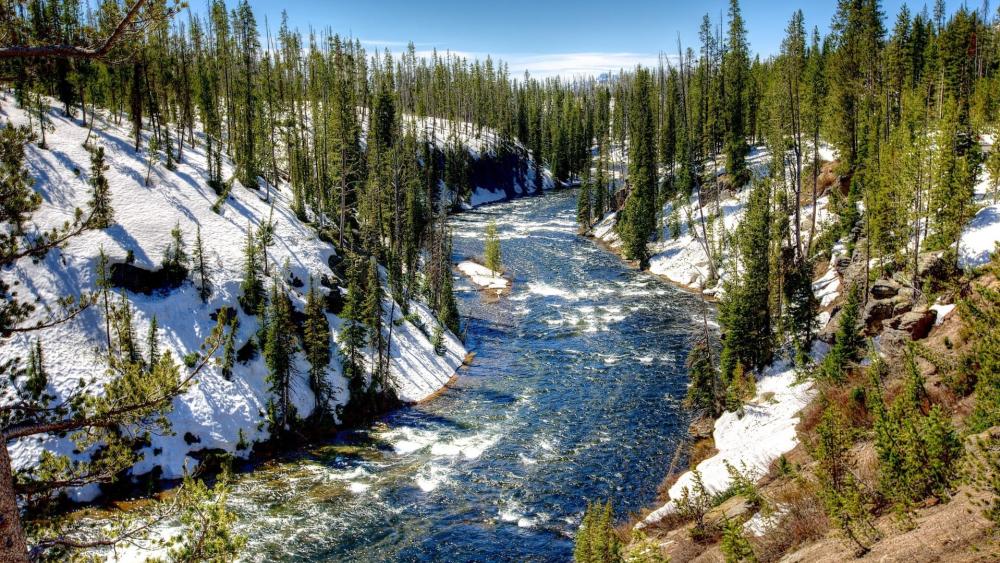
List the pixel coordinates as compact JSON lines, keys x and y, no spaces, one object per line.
{"x":575,"y":393}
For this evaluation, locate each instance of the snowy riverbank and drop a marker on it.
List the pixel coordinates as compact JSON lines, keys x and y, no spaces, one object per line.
{"x":217,"y":413}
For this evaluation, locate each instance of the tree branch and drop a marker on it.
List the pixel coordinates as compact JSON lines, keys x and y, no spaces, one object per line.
{"x":73,"y":51}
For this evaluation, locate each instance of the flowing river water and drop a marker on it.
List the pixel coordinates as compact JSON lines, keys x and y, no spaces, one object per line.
{"x":575,"y":393}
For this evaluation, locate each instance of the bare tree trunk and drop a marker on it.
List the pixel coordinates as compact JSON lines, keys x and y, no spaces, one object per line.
{"x":13,"y":545}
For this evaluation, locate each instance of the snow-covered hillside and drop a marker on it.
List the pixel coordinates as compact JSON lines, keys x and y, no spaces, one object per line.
{"x":215,"y":413}
{"x":683,"y":260}
{"x":480,"y":144}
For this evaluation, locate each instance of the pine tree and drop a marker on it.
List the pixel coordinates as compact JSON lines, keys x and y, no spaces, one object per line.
{"x":744,"y":312}
{"x":252,"y":286}
{"x":448,"y":314}
{"x":352,"y":333}
{"x":372,"y":314}
{"x":735,"y":70}
{"x":802,"y":306}
{"x":175,"y":256}
{"x":917,"y":452}
{"x":982,"y":317}
{"x":200,"y":267}
{"x":230,"y":319}
{"x":847,"y":341}
{"x":703,"y":388}
{"x":583,"y":203}
{"x":638,"y":220}
{"x":492,"y":249}
{"x":597,"y":541}
{"x":279,"y":349}
{"x":993,"y":167}
{"x":102,"y":214}
{"x":735,"y":546}
{"x":846,"y":502}
{"x":18,"y":199}
{"x":125,"y":332}
{"x":316,"y":343}
{"x":153,"y":344}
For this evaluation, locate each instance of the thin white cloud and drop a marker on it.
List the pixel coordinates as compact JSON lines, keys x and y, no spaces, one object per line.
{"x":566,"y":65}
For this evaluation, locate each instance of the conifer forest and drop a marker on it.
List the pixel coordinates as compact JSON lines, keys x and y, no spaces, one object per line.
{"x":695,"y":288}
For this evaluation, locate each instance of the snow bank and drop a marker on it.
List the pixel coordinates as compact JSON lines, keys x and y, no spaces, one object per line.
{"x":753,"y":442}
{"x":215,"y":413}
{"x":483,"y":277}
{"x":980,"y":236}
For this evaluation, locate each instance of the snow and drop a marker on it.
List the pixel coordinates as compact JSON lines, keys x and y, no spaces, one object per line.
{"x":942,"y":311}
{"x":215,"y":410}
{"x":483,"y":277}
{"x":980,"y":236}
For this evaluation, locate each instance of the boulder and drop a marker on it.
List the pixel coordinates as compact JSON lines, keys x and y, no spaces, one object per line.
{"x":842,"y":264}
{"x":917,"y":323}
{"x":735,"y":508}
{"x":892,"y":342}
{"x":876,"y":312}
{"x":901,"y":304}
{"x":884,"y":289}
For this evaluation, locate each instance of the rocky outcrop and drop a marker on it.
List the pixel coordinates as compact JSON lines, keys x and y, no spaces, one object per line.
{"x":736,"y":508}
{"x":917,"y":323}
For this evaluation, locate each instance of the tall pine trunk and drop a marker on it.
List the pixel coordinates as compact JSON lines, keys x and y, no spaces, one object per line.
{"x":13,"y":545}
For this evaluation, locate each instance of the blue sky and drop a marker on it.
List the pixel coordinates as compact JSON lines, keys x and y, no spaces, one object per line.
{"x":548,"y":37}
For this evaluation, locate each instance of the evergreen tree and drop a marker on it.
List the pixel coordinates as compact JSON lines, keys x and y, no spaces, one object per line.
{"x":352,"y":331}
{"x":152,"y":344}
{"x":228,"y":318}
{"x":175,"y":256}
{"x":847,"y":341}
{"x":372,"y":315}
{"x":279,"y":349}
{"x":252,"y":286}
{"x":918,"y":448}
{"x":492,"y":249}
{"x":744,"y":312}
{"x":18,"y":199}
{"x":982,"y":360}
{"x":102,"y":214}
{"x":735,"y":70}
{"x":703,"y":387}
{"x":36,"y":378}
{"x":583,"y":203}
{"x":638,"y":220}
{"x":596,"y":540}
{"x":200,"y":267}
{"x":802,"y":306}
{"x":316,"y":343}
{"x":844,"y":498}
{"x":448,"y":314}
{"x":736,"y":548}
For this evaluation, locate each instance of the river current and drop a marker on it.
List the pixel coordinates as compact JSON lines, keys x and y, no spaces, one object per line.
{"x":575,"y":393}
